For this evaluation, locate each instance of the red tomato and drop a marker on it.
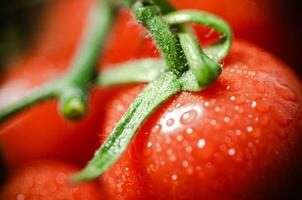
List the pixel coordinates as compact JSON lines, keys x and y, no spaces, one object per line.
{"x":238,"y":139}
{"x":47,"y":180}
{"x":41,"y":132}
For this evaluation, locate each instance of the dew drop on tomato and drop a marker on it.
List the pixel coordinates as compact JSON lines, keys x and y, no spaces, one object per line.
{"x":201,"y":143}
{"x":188,"y":116}
{"x":170,"y":122}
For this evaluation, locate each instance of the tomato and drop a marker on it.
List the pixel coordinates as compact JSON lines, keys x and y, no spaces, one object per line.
{"x":47,"y":180}
{"x":29,"y":135}
{"x":238,"y":139}
{"x":41,"y":132}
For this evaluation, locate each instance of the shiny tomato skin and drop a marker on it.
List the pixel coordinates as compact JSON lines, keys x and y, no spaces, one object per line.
{"x":238,"y":139}
{"x":47,"y":179}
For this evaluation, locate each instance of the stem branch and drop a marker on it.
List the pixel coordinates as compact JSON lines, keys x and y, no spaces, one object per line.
{"x":165,"y":39}
{"x":74,"y":93}
{"x":145,"y":104}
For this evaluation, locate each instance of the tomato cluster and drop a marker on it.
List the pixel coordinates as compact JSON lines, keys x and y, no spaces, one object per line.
{"x":238,"y":139}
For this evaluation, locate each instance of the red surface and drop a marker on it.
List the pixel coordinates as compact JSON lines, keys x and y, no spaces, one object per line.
{"x":47,"y":180}
{"x":238,"y":139}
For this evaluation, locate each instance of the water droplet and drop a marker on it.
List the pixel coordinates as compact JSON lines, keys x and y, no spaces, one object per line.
{"x":217,"y":109}
{"x":169,"y":151}
{"x":173,"y":158}
{"x":174,"y":177}
{"x":249,"y":129}
{"x":185,"y":164}
{"x":238,"y":132}
{"x":232,"y":152}
{"x":213,"y":122}
{"x":156,"y":128}
{"x":206,"y":104}
{"x":179,"y":138}
{"x":254,"y":104}
{"x":240,"y":99}
{"x":120,"y":107}
{"x":201,"y":143}
{"x":285,"y":92}
{"x":149,"y":144}
{"x":178,"y":105}
{"x":188,"y":117}
{"x":189,"y":131}
{"x":170,"y":122}
{"x":227,"y":119}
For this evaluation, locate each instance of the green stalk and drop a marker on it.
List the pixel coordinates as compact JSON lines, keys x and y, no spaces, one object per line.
{"x":202,"y":71}
{"x":46,"y":92}
{"x":165,"y":39}
{"x":204,"y":65}
{"x":145,"y":104}
{"x":74,"y":94}
{"x":218,"y":51}
{"x":73,"y":88}
{"x":140,"y":71}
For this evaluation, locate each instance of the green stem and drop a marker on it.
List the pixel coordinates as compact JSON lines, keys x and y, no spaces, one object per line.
{"x":145,"y":104}
{"x":204,"y":67}
{"x":203,"y":71}
{"x":72,"y":90}
{"x":140,"y":71}
{"x":74,"y":93}
{"x":165,"y":39}
{"x":217,"y":51}
{"x":46,"y":92}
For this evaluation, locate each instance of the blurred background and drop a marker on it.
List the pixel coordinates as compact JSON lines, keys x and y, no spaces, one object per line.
{"x":272,"y":24}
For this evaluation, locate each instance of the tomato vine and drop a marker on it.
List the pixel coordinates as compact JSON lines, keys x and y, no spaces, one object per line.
{"x":184,"y":66}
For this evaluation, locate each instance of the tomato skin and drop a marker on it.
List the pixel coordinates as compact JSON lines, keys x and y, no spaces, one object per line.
{"x":238,"y":139}
{"x":47,"y":180}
